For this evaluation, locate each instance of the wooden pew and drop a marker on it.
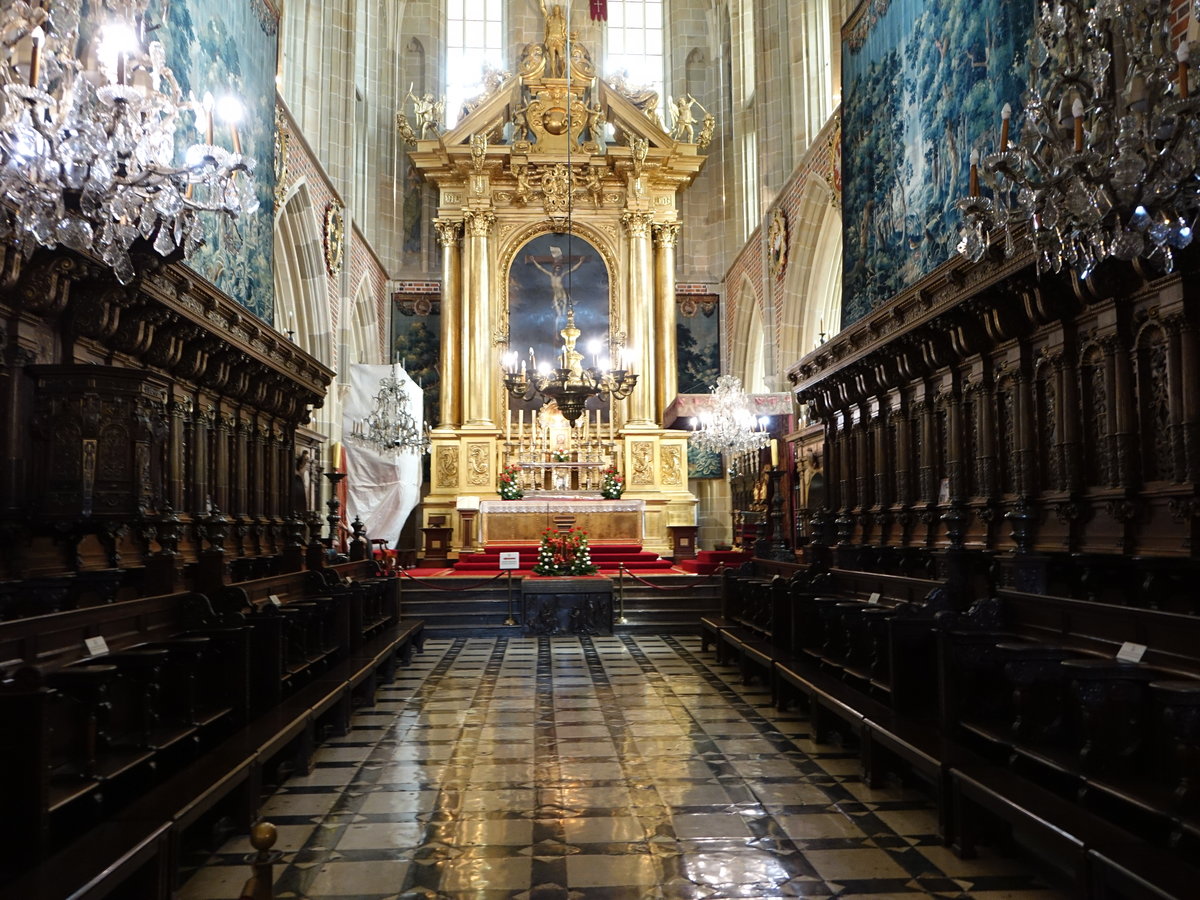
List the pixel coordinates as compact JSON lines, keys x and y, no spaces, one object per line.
{"x":45,"y":677}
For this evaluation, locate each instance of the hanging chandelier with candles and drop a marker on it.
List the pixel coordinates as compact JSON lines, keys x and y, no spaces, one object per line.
{"x":570,"y":384}
{"x":729,"y":426}
{"x":389,"y":427}
{"x":87,"y":144}
{"x":1108,"y":161}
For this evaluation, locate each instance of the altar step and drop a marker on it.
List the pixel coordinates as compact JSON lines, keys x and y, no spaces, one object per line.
{"x":609,"y":557}
{"x":708,"y":561}
{"x":672,"y":605}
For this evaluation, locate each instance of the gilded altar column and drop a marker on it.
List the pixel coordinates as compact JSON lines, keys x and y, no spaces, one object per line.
{"x":665,"y":363}
{"x":477,"y":405}
{"x":450,"y":412}
{"x":641,"y":317}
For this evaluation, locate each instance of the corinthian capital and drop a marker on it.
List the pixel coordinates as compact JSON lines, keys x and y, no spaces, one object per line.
{"x":637,"y":223}
{"x":448,"y":231}
{"x":479,"y":222}
{"x":666,"y":234}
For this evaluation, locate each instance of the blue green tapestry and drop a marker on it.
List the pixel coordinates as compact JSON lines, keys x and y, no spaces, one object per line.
{"x":923,"y":83}
{"x":229,"y":47}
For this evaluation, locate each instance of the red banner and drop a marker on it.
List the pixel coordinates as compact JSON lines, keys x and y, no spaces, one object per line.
{"x":599,"y":9}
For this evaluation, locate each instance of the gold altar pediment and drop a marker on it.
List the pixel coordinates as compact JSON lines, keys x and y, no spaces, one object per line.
{"x":605,"y":133}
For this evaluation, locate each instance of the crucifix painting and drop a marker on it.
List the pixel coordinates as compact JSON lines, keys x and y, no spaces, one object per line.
{"x":546,"y":273}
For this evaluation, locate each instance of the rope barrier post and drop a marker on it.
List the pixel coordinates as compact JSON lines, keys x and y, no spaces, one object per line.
{"x":510,"y":620}
{"x":260,"y":885}
{"x":621,"y":620}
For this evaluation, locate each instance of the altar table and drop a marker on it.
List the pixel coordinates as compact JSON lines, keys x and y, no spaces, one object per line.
{"x":523,"y":521}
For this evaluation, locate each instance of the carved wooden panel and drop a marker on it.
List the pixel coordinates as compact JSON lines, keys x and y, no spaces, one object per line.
{"x":99,"y":435}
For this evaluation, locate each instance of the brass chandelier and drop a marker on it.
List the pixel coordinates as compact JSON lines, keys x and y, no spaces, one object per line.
{"x":569,"y":384}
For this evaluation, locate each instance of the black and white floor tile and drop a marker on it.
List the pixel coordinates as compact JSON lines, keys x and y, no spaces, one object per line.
{"x":576,"y":768}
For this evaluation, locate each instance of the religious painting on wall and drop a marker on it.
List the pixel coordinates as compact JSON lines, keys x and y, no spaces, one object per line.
{"x":547,"y":273}
{"x":923,"y":84}
{"x":697,"y":342}
{"x":416,"y":342}
{"x":218,"y":48}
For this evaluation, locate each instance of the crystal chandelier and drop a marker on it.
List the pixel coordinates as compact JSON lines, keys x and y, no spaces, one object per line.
{"x":87,"y":142}
{"x":570,"y":384}
{"x":730,"y":426}
{"x":390,"y":427}
{"x":1109,"y":156}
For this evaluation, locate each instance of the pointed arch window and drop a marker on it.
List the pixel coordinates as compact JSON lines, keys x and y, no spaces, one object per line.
{"x":474,"y":38}
{"x":635,"y":43}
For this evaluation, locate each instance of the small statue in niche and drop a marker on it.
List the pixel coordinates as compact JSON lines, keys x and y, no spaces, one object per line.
{"x":683,"y":128}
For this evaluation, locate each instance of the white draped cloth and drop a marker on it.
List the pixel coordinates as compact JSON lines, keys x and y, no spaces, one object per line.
{"x":382,"y":489}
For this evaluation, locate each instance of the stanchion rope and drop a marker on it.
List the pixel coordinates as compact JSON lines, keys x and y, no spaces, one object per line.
{"x":457,"y":587}
{"x":666,"y":587}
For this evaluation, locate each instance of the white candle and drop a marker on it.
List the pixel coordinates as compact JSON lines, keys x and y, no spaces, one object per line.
{"x":611,"y":425}
{"x":521,"y":421}
{"x":508,"y":426}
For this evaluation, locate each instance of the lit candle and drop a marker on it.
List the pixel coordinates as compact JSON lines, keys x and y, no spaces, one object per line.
{"x":974,"y":185}
{"x":208,"y":117}
{"x":1005,"y":115}
{"x":120,"y":68}
{"x":38,"y":35}
{"x":1181,"y":55}
{"x":1077,"y":115}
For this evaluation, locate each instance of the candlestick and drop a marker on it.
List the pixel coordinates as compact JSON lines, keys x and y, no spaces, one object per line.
{"x":208,"y":116}
{"x":1077,"y":114}
{"x":611,"y":428}
{"x":35,"y":55}
{"x":1005,"y":115}
{"x":774,"y":453}
{"x":974,"y":184}
{"x":1181,"y":54}
{"x":521,"y":423}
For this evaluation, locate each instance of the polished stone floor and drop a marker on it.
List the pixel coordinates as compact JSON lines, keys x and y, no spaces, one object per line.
{"x":622,"y":767}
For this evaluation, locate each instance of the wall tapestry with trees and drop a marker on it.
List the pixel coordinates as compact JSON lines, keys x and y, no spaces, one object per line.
{"x":923,"y":84}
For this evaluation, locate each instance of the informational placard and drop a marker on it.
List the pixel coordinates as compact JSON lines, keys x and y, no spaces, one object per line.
{"x":96,"y":645}
{"x":510,"y":560}
{"x":275,"y":601}
{"x":1131,"y":652}
{"x":467,"y":503}
{"x":874,"y":598}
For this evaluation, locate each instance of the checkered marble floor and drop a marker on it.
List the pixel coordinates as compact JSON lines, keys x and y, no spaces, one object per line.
{"x":622,"y":767}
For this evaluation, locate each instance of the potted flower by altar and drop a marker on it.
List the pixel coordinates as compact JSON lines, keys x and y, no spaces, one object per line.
{"x":564,"y":553}
{"x":510,"y":485}
{"x":613,"y":484}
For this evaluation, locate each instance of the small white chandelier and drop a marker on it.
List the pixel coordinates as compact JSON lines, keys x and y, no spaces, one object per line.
{"x":87,"y":145}
{"x":390,"y":427}
{"x":1108,"y":161}
{"x":730,"y":426}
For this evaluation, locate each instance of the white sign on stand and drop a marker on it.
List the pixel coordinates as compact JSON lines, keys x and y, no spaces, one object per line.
{"x":510,"y":560}
{"x":96,"y":645}
{"x":1131,"y":652}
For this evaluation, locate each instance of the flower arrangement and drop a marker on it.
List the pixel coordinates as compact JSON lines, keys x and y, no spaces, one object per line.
{"x":564,"y":553}
{"x":510,"y":487}
{"x":613,"y":484}
{"x":560,"y":456}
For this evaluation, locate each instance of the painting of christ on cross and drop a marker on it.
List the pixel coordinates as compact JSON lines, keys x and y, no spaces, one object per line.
{"x":544,"y":273}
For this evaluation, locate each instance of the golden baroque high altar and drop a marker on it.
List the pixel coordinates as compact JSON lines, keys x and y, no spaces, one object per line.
{"x":554,"y":157}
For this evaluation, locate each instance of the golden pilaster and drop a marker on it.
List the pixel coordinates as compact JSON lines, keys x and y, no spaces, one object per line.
{"x":481,"y":368}
{"x":641,"y":318}
{"x":665,"y":362}
{"x":449,"y":234}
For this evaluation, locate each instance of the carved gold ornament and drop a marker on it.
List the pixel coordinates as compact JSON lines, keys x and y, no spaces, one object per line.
{"x":335,"y":237}
{"x":777,"y":242}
